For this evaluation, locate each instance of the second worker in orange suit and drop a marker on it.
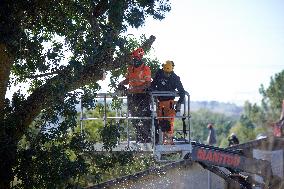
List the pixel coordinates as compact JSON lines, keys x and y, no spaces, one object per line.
{"x":166,"y":80}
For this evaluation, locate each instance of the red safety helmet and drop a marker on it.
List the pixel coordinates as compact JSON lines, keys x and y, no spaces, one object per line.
{"x":138,"y":53}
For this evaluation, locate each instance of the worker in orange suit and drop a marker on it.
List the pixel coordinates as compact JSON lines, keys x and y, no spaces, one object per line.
{"x":166,"y":80}
{"x":139,"y":80}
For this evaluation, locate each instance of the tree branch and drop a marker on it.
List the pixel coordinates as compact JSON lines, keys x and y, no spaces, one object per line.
{"x":6,"y":63}
{"x":122,"y":60}
{"x":100,"y":8}
{"x":69,"y":81}
{"x":42,"y":75}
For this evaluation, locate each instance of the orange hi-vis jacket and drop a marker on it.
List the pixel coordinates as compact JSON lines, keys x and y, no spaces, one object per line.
{"x":138,"y":77}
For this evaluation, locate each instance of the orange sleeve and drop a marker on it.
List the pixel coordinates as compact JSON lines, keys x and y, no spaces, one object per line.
{"x":147,"y":73}
{"x":127,"y":73}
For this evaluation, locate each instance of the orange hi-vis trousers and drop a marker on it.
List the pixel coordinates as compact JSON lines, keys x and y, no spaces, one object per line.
{"x":166,"y":109}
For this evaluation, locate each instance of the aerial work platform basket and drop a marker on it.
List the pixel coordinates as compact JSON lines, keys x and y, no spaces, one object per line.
{"x":182,"y":146}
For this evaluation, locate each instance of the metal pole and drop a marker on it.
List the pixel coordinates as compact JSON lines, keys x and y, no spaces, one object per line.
{"x":185,"y":106}
{"x":188,"y":118}
{"x":105,"y":110}
{"x":153,"y":123}
{"x":127,"y":123}
{"x":209,"y":179}
{"x":81,"y":120}
{"x":118,"y":125}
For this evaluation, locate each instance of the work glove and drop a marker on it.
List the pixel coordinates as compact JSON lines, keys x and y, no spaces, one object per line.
{"x":121,"y":90}
{"x":121,"y":87}
{"x":148,"y":90}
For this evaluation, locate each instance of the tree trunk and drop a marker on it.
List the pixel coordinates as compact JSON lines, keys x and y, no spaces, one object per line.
{"x":39,"y":99}
{"x":7,"y":161}
{"x":7,"y":146}
{"x":5,"y":67}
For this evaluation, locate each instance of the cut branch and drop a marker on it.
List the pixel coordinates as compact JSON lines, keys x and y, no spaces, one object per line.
{"x":126,"y":59}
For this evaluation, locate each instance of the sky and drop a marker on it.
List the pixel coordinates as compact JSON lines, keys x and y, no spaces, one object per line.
{"x":223,"y":49}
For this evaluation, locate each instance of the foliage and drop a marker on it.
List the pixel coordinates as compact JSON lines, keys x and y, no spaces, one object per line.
{"x":50,"y":155}
{"x":273,"y":95}
{"x":255,"y":113}
{"x":56,"y":170}
{"x":200,"y":120}
{"x":110,"y":135}
{"x":251,"y":123}
{"x":257,"y":119}
{"x":115,"y":164}
{"x":35,"y":39}
{"x":244,"y":129}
